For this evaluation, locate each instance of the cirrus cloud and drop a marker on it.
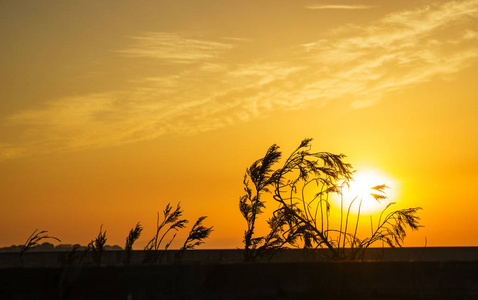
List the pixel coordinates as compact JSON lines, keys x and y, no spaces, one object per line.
{"x":336,"y":6}
{"x":356,"y":62}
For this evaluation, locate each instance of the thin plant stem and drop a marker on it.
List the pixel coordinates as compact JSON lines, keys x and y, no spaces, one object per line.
{"x":356,"y":225}
{"x":347,"y":220}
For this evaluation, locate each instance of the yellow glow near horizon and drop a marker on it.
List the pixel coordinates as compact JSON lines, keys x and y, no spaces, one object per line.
{"x":361,"y":189}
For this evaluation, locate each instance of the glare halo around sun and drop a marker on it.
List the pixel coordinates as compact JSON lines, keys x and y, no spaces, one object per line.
{"x":361,"y":187}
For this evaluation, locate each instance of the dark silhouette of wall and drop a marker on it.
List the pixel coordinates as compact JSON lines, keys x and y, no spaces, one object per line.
{"x":110,"y":257}
{"x":319,"y":280}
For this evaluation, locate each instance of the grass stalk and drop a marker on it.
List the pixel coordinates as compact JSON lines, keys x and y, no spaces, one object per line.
{"x":133,"y":235}
{"x":33,"y":241}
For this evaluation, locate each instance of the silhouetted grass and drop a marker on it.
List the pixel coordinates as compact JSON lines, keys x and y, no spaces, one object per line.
{"x":171,"y":217}
{"x":130,"y":239}
{"x":172,"y":221}
{"x":196,"y":237}
{"x":96,"y":246}
{"x":301,"y":220}
{"x":33,"y":241}
{"x":251,"y":204}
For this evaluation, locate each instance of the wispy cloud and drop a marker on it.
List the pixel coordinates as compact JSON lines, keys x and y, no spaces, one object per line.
{"x":360,"y":63}
{"x":174,"y":48}
{"x":186,"y":103}
{"x":335,"y":6}
{"x":401,"y":49}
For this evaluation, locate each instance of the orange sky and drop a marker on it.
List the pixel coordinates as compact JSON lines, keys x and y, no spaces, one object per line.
{"x":111,"y":110}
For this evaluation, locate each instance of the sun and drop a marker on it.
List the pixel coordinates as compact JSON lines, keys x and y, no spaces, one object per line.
{"x":360,"y":189}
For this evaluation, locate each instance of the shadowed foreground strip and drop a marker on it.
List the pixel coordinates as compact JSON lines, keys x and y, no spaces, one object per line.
{"x":366,"y":280}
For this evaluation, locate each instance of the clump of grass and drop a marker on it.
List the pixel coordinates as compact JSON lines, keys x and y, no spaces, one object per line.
{"x":302,"y":187}
{"x":257,"y":181}
{"x":172,"y":218}
{"x":34,"y":240}
{"x":96,"y":246}
{"x":391,"y":229}
{"x":196,"y":237}
{"x":133,"y":235}
{"x":71,"y":255}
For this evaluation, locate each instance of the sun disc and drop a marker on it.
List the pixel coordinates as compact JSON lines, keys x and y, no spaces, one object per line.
{"x":359,"y":192}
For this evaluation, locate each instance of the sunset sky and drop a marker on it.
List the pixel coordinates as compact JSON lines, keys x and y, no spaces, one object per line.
{"x":111,"y":109}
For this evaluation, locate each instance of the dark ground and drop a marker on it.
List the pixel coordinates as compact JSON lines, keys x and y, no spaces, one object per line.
{"x":297,"y":275}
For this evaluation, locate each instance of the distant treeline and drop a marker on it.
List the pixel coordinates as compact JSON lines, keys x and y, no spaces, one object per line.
{"x":50,"y":247}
